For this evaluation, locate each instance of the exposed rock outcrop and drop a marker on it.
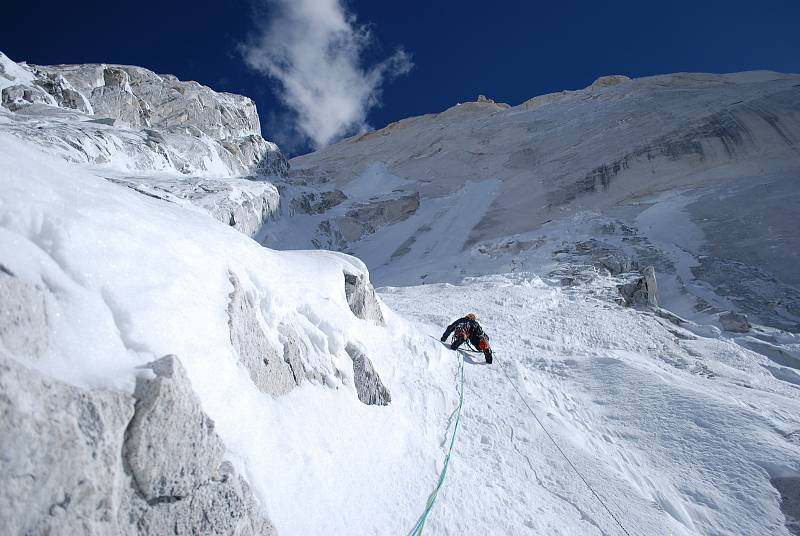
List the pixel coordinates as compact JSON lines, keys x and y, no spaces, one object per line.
{"x":642,"y":291}
{"x":23,"y":317}
{"x":245,"y":205}
{"x":610,"y":80}
{"x":361,"y":298}
{"x":272,"y":370}
{"x":131,"y":118}
{"x":363,"y":219}
{"x":176,"y":461}
{"x":60,"y":457}
{"x":171,"y":447}
{"x":98,"y":461}
{"x":368,"y":384}
{"x":732,"y":321}
{"x":317,"y":203}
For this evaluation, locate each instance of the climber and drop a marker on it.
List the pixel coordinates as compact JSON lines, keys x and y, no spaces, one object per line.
{"x":468,"y":329}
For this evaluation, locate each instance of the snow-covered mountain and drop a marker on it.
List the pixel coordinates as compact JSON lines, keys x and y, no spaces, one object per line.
{"x":136,"y":127}
{"x":695,"y":174}
{"x":131,"y":120}
{"x":163,"y":372}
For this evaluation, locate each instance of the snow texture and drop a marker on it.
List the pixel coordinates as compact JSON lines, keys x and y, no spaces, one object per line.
{"x":677,"y":433}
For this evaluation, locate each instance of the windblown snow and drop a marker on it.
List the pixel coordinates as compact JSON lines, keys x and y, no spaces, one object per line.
{"x":336,"y":403}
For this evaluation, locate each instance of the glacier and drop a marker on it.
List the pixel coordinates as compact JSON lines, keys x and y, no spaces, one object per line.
{"x":187,"y":343}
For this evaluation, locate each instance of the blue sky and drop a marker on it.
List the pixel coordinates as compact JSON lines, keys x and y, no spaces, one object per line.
{"x":508,"y":50}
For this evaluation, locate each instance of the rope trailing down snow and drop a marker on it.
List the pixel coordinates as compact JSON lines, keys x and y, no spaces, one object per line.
{"x":417,"y":530}
{"x":562,"y":452}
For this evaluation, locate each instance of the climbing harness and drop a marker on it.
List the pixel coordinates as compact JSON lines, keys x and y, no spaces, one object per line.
{"x":417,"y":530}
{"x":562,"y":452}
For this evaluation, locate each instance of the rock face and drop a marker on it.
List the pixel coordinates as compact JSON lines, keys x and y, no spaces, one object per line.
{"x":98,"y":462}
{"x":317,"y":203}
{"x":23,"y":317}
{"x":60,"y":458}
{"x":272,"y":370}
{"x":378,"y":212}
{"x":361,"y":298}
{"x":351,"y":222}
{"x":183,"y":485}
{"x":732,"y":321}
{"x":245,"y":205}
{"x":133,"y":119}
{"x":369,"y":387}
{"x":642,"y":291}
{"x":168,"y":467}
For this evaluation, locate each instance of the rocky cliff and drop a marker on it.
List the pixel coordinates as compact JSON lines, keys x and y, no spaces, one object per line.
{"x":132,"y":119}
{"x":135,"y":127}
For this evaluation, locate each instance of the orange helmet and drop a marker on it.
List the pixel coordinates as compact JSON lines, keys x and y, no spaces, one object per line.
{"x":472,"y":316}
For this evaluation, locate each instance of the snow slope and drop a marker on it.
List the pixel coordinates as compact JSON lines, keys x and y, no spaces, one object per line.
{"x":128,"y":278}
{"x":677,"y":433}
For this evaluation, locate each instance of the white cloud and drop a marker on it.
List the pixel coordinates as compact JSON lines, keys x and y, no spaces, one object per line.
{"x":313,"y":49}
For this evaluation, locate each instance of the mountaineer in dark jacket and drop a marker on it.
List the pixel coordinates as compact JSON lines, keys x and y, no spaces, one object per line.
{"x":468,"y":329}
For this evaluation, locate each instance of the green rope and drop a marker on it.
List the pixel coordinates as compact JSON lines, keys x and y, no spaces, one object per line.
{"x":417,"y":531}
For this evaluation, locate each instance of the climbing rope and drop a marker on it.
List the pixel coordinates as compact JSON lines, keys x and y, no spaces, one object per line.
{"x":417,"y":530}
{"x":563,"y":453}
